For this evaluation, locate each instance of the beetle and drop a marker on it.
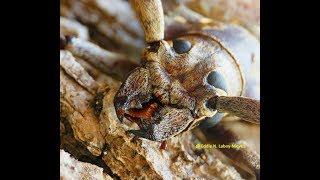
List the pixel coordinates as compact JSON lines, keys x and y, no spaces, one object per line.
{"x":191,"y":79}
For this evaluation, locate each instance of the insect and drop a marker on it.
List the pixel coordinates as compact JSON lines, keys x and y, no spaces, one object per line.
{"x":191,"y":79}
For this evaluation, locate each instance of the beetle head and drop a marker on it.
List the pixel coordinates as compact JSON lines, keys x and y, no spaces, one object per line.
{"x":172,"y":89}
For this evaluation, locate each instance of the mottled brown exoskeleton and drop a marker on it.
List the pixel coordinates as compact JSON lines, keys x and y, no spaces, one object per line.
{"x":206,"y":70}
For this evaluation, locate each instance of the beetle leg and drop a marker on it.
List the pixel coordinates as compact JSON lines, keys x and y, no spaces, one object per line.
{"x":244,"y":156}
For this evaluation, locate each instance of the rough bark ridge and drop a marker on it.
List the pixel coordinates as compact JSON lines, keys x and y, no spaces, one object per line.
{"x":71,"y":168}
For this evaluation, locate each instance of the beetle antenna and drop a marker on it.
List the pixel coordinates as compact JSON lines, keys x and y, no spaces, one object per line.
{"x":150,"y":14}
{"x":242,"y":107}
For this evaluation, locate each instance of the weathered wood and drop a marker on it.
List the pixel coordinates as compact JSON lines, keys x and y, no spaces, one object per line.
{"x":111,"y":23}
{"x":71,"y":168}
{"x":114,"y":64}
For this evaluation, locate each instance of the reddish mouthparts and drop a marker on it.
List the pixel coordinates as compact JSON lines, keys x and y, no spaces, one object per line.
{"x":146,"y":112}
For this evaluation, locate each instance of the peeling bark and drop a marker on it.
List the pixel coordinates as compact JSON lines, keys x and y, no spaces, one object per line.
{"x":71,"y":168}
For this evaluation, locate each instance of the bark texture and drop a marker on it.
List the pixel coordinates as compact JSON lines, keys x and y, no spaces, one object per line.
{"x":71,"y":168}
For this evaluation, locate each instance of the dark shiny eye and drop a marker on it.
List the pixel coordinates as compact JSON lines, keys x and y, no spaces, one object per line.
{"x":217,"y":80}
{"x":181,"y":46}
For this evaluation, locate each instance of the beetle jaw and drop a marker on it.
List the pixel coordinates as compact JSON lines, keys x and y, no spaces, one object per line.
{"x":138,"y":102}
{"x":157,"y":122}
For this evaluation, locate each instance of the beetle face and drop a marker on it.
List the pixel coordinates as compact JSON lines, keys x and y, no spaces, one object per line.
{"x":172,"y":89}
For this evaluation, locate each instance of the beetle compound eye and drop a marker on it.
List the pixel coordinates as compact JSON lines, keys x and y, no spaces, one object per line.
{"x":181,"y":46}
{"x":217,"y":80}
